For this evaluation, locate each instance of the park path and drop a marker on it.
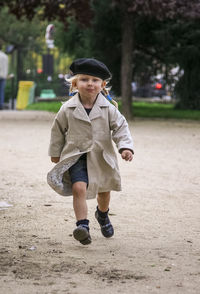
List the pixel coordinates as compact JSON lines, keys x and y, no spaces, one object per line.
{"x":156,"y":247}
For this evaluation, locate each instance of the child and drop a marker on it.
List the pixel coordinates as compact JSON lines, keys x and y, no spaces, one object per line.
{"x":81,"y":146}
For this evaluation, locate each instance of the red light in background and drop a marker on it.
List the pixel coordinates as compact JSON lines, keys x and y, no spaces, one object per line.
{"x":158,"y":86}
{"x":39,"y":70}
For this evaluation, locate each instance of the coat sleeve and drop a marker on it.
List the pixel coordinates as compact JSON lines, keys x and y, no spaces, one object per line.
{"x":58,"y":130}
{"x":120,"y":131}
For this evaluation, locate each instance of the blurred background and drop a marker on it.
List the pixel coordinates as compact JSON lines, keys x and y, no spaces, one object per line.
{"x":152,"y":49}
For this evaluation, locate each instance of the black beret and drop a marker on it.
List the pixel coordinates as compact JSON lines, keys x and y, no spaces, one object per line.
{"x":91,"y":67}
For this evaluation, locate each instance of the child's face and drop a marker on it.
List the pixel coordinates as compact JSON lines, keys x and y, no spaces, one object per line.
{"x":89,"y":86}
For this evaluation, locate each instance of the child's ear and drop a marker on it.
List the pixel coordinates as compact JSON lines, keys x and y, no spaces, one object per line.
{"x":74,"y":84}
{"x":103,"y":84}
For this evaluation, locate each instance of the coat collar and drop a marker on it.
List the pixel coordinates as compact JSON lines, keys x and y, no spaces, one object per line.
{"x":79,"y":111}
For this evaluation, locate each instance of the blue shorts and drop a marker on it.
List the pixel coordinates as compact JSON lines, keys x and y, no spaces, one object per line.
{"x":78,"y":171}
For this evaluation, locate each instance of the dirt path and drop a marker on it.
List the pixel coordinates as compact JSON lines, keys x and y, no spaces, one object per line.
{"x":156,"y":247}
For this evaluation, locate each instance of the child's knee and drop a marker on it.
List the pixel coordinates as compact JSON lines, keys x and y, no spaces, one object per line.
{"x":79,"y":189}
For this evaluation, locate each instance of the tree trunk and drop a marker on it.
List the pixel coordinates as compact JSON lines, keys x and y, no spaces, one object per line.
{"x":126,"y":64}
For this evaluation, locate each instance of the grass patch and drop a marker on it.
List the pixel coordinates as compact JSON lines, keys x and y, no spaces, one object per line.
{"x":158,"y":110}
{"x":45,"y":106}
{"x":140,"y":109}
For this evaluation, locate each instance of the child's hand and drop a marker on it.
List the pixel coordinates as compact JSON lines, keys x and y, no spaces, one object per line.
{"x":127,"y":155}
{"x":55,"y":159}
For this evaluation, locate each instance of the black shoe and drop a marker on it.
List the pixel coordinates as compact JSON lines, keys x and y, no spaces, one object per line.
{"x":105,"y":224}
{"x":81,"y":233}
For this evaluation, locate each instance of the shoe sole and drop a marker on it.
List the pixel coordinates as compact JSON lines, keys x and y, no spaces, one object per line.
{"x":82,"y":235}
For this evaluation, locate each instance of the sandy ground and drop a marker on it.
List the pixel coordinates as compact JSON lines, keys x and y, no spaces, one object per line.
{"x":156,"y":246}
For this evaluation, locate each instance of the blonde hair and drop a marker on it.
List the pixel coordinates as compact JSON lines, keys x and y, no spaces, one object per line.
{"x":105,"y":89}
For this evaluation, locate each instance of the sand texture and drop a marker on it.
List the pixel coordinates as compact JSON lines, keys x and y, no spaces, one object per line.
{"x":156,"y":246}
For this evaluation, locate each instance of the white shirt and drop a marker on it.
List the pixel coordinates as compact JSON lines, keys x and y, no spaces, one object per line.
{"x":3,"y":65}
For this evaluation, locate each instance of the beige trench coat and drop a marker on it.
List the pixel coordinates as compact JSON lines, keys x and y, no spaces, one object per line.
{"x":74,"y":133}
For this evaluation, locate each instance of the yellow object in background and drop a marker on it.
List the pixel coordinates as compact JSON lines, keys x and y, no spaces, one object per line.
{"x":25,"y":94}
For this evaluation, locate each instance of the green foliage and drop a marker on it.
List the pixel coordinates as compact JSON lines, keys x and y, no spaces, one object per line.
{"x":180,"y":42}
{"x":146,"y":56}
{"x":23,"y":33}
{"x":26,"y":37}
{"x":188,"y":87}
{"x":158,"y":44}
{"x":106,"y":39}
{"x":74,"y":40}
{"x":160,"y":36}
{"x":102,"y":40}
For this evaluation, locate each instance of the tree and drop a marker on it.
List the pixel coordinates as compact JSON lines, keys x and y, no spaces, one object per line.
{"x":129,"y":13}
{"x":43,"y":10}
{"x":23,"y":35}
{"x":178,"y":43}
{"x":165,"y":9}
{"x":115,"y":36}
{"x":102,"y":40}
{"x":50,"y":9}
{"x":145,"y":41}
{"x":74,"y":40}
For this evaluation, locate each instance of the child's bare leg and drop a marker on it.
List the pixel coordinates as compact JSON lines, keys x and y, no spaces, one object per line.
{"x":79,"y":200}
{"x":103,"y":200}
{"x":81,"y":233}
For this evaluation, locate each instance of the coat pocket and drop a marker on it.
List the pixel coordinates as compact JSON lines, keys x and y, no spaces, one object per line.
{"x":109,"y":159}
